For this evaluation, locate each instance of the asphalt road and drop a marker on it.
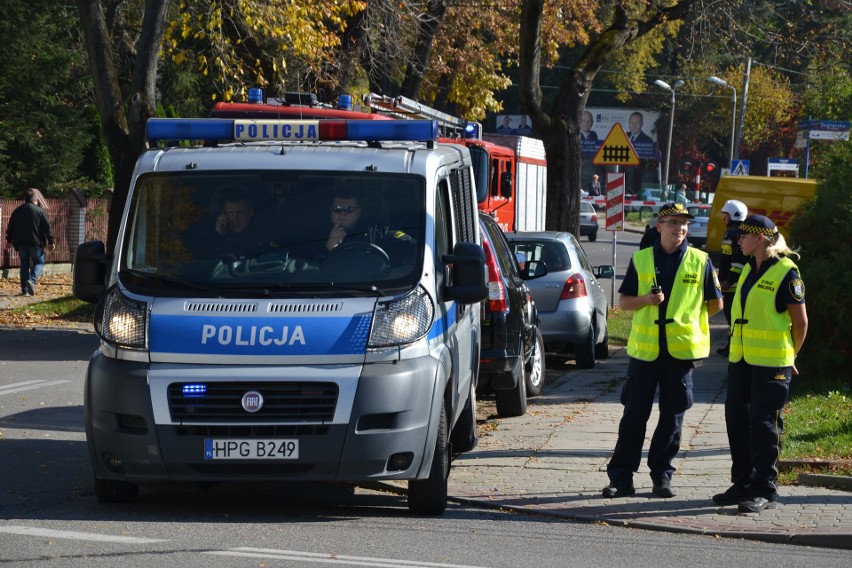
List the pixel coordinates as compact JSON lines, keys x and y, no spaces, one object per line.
{"x":50,"y":517}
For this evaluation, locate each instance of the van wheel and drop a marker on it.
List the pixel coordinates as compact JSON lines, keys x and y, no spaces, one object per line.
{"x":535,"y":365}
{"x":429,"y":496}
{"x":463,"y":437}
{"x":602,"y":348}
{"x":513,"y":402}
{"x":111,"y":491}
{"x":585,"y":354}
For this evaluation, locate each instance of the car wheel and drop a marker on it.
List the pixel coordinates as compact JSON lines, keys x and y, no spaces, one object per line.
{"x":513,"y":402}
{"x":429,"y":496}
{"x":111,"y":491}
{"x":463,"y":437}
{"x":593,"y":237}
{"x":535,"y":365}
{"x":602,"y":348}
{"x":585,"y":354}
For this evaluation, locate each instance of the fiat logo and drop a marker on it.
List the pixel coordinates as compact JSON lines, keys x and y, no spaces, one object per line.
{"x":252,"y":401}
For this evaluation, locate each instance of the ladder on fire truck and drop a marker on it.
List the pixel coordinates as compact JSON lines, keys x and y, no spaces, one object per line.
{"x":409,"y":109}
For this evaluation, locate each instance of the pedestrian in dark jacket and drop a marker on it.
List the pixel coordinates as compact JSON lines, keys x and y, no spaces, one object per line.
{"x":29,"y":232}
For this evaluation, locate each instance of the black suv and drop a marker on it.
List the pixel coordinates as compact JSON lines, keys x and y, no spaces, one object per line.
{"x":512,"y":356}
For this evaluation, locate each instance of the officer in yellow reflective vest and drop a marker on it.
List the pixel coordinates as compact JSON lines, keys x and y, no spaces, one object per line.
{"x":673,"y":290}
{"x":768,"y":326}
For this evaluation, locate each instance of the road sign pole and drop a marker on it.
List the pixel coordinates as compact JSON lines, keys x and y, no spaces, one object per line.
{"x":614,"y":213}
{"x":614,"y":264}
{"x":807,"y":152}
{"x":616,"y":150}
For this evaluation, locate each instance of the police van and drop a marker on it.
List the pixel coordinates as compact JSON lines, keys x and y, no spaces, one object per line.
{"x":242,"y":338}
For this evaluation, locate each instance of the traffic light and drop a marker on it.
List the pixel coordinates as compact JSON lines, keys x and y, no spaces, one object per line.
{"x":710,"y":169}
{"x":689,"y":167}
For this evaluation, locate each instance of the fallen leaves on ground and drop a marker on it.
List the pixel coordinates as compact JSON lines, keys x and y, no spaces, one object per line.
{"x":50,"y":286}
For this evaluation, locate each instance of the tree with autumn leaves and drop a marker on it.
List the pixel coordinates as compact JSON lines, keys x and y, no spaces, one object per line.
{"x":454,"y":56}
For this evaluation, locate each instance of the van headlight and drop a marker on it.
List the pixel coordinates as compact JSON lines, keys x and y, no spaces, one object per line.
{"x":122,"y":321}
{"x":402,"y":320}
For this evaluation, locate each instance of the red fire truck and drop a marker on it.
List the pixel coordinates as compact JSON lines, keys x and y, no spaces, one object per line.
{"x":510,"y":171}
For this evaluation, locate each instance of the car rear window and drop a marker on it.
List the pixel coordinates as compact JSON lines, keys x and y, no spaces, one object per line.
{"x":552,"y":253}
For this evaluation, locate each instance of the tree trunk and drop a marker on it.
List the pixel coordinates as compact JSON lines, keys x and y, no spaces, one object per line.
{"x":560,"y":128}
{"x":123,"y":124}
{"x":435,"y":12}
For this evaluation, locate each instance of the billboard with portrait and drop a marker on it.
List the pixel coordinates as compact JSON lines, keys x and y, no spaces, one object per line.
{"x":513,"y":124}
{"x":638,"y":124}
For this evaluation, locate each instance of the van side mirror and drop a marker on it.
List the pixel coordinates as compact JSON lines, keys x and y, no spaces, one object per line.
{"x":469,"y":281}
{"x":506,"y":185}
{"x":605,"y":271}
{"x":90,"y":269}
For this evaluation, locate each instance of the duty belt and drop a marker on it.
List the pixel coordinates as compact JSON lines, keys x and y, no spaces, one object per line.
{"x":736,"y":321}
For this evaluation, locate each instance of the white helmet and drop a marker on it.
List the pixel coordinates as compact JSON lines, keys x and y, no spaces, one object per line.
{"x":736,"y":209}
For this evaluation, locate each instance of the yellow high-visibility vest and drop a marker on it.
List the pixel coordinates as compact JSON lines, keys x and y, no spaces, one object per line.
{"x":686,"y":322}
{"x":762,"y":335}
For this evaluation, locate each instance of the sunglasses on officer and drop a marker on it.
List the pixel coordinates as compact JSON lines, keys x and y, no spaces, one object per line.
{"x":347,"y":209}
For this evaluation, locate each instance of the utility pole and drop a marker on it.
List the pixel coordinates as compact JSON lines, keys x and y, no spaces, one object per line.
{"x":736,"y":152}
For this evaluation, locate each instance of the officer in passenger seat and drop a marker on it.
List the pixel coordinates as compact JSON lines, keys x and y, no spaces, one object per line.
{"x":356,"y":219}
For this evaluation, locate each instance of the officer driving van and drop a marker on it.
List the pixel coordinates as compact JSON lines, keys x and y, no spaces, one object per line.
{"x":293,"y":300}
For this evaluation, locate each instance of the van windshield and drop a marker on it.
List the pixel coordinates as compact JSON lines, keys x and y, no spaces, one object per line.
{"x":273,"y":233}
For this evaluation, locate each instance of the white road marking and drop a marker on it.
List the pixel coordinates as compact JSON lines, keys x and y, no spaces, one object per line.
{"x":328,"y":558}
{"x":28,"y":385}
{"x":74,"y":535}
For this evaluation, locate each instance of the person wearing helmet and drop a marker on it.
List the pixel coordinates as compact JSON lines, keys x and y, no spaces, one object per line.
{"x":732,"y":261}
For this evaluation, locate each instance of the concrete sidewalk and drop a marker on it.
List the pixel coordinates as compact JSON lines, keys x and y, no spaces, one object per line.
{"x":553,"y":461}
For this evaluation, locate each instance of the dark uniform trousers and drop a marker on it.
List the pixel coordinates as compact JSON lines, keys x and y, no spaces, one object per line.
{"x":674,"y":378}
{"x":753,"y":405}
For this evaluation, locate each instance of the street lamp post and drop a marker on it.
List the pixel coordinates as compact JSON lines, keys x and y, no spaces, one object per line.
{"x":722,"y":83}
{"x":663,"y":85}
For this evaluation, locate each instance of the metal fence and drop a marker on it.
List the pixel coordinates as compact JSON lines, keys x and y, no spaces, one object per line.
{"x":73,"y":221}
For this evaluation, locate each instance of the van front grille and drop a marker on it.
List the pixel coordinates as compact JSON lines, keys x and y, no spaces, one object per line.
{"x":282,"y":402}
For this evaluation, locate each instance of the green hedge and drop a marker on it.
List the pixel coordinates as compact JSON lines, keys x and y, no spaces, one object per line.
{"x":823,"y":233}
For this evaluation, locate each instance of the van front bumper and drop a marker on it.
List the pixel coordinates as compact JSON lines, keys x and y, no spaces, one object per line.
{"x":390,"y":414}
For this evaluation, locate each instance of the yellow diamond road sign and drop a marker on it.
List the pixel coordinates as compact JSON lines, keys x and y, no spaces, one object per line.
{"x":616,"y":149}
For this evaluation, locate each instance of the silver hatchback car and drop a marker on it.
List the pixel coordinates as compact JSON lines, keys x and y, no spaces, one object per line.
{"x":588,"y":221}
{"x":571,"y":303}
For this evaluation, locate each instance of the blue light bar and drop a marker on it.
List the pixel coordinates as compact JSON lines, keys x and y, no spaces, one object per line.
{"x":392,"y":130}
{"x":251,"y":130}
{"x":189,"y":129}
{"x":194,"y":390}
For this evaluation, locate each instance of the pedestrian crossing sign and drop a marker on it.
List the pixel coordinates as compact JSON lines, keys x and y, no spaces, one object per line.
{"x":740,"y":167}
{"x":616,"y":149}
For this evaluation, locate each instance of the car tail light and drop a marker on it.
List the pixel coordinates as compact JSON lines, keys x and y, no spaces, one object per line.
{"x":496,"y":290}
{"x":594,"y":217}
{"x":575,"y":287}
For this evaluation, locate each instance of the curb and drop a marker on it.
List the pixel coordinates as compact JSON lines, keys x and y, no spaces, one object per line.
{"x":817,"y":539}
{"x":842,"y":482}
